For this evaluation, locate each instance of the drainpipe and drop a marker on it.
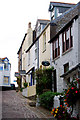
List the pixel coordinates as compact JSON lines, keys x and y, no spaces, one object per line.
{"x":38,"y":54}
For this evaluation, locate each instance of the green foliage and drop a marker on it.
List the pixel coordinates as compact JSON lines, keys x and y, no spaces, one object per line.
{"x":46,"y":99}
{"x":19,"y":81}
{"x":43,"y":79}
{"x":25,"y":84}
{"x":21,"y":89}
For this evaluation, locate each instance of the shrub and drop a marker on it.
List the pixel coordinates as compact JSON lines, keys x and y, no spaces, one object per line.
{"x":21,"y":89}
{"x":46,"y":99}
{"x":25,"y":84}
{"x":43,"y":79}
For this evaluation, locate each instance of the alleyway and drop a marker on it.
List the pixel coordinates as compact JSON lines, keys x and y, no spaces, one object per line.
{"x":14,"y":105}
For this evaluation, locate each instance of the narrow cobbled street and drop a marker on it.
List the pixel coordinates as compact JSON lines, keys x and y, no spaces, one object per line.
{"x":14,"y":105}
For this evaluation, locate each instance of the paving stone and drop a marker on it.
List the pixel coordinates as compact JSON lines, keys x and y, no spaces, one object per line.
{"x":14,"y":105}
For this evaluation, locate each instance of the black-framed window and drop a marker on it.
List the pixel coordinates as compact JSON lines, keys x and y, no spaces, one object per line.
{"x":66,"y":67}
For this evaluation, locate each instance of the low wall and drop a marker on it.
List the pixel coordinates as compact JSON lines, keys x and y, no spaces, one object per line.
{"x":24,"y":92}
{"x":29,"y":91}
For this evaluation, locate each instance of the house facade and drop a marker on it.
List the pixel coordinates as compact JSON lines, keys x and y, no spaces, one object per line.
{"x":5,"y":72}
{"x":65,"y":47}
{"x":60,"y":32}
{"x":32,"y":57}
{"x":44,"y":46}
{"x":28,"y":55}
{"x":65,"y":41}
{"x":20,"y":63}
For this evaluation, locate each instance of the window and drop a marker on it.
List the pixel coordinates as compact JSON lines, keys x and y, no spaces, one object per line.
{"x":23,"y":63}
{"x":1,"y":68}
{"x":44,"y":41}
{"x":6,"y":80}
{"x":56,"y":48}
{"x":36,"y":50}
{"x":29,"y":58}
{"x":35,"y":53}
{"x":68,"y":80}
{"x":67,"y":39}
{"x":5,"y":66}
{"x":66,"y":67}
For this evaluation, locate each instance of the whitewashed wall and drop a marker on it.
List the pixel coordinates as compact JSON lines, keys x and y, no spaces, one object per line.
{"x":70,"y":56}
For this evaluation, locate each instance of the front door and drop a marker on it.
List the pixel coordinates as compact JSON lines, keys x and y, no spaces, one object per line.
{"x":54,"y":81}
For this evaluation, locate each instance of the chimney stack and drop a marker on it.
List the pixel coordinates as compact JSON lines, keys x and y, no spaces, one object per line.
{"x":29,"y":25}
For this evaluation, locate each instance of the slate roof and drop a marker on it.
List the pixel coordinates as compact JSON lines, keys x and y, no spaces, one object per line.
{"x":58,"y":24}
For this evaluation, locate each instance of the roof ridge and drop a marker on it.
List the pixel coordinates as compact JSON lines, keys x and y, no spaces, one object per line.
{"x":44,"y":19}
{"x":62,"y":2}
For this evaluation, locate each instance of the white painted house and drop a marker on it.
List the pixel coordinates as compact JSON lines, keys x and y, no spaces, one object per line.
{"x":5,"y":69}
{"x":65,"y":41}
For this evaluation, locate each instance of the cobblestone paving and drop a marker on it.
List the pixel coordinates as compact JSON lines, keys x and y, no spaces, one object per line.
{"x":14,"y":105}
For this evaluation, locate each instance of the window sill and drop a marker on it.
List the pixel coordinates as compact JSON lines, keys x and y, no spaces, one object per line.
{"x":44,"y":51}
{"x":67,"y":51}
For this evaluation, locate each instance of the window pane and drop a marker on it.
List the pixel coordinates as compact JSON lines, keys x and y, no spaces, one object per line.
{"x":1,"y":68}
{"x":6,"y":80}
{"x":56,"y":52}
{"x":6,"y":66}
{"x":35,"y":53}
{"x":67,"y":44}
{"x":63,"y":46}
{"x":66,"y":67}
{"x":71,"y":42}
{"x":59,"y":50}
{"x":56,"y":44}
{"x":67,"y":34}
{"x":53,"y":54}
{"x":44,"y":41}
{"x":29,"y":58}
{"x":56,"y":48}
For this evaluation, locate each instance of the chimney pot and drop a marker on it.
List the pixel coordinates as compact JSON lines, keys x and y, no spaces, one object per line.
{"x":29,"y":25}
